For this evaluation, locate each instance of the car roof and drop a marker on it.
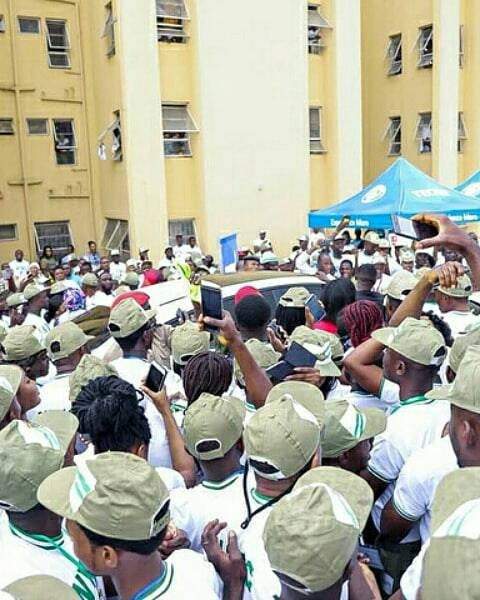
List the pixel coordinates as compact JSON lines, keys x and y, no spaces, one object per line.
{"x":231,"y":283}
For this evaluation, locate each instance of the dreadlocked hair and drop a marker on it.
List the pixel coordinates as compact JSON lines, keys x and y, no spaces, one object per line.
{"x":108,"y":411}
{"x":208,"y":372}
{"x":440,"y":325}
{"x":361,"y":318}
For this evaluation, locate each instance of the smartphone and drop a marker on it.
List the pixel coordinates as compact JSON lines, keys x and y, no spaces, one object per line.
{"x":315,"y":308}
{"x":212,"y":305}
{"x":277,"y":373}
{"x":413,"y":229}
{"x":156,"y":377}
{"x":298,"y":356}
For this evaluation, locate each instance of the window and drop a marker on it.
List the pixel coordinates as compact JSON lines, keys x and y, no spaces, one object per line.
{"x":64,"y":139}
{"x":109,"y":30}
{"x":58,"y":45}
{"x":394,"y":136}
{"x":424,"y":132}
{"x":111,"y":137}
{"x":115,"y":236}
{"x":29,"y":25}
{"x":37,"y":126}
{"x":185,"y":227}
{"x":171,"y":18}
{"x":394,"y":53}
{"x":56,"y":234}
{"x":425,"y":47}
{"x":6,"y":127}
{"x":316,"y":145}
{"x":462,"y":132}
{"x":8,"y":232}
{"x":461,"y":50}
{"x":177,"y":127}
{"x":2,"y":24}
{"x":316,"y":23}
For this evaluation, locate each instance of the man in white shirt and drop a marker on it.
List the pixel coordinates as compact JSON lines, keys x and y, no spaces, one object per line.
{"x":37,"y":303}
{"x":261,"y":241}
{"x":315,"y":237}
{"x":383,"y":280}
{"x":453,"y":304}
{"x":120,"y":498}
{"x":23,"y":347}
{"x":19,"y":266}
{"x":117,"y":268}
{"x":370,"y":246}
{"x":180,"y":250}
{"x":302,"y":260}
{"x":95,"y":296}
{"x":31,"y":537}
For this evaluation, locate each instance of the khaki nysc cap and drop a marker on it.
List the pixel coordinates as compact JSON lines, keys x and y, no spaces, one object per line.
{"x":38,"y":587}
{"x":127,"y":318}
{"x":306,"y":394}
{"x":29,"y":453}
{"x":401,"y":285}
{"x":346,"y":426}
{"x":130,"y":278}
{"x":450,"y":566}
{"x":415,"y":339}
{"x":88,"y":369}
{"x":65,"y":339}
{"x":58,"y":288}
{"x":281,"y":438}
{"x":33,"y":290}
{"x":217,"y":420}
{"x":462,"y":289}
{"x":10,"y":379}
{"x":373,"y":238}
{"x":22,"y":342}
{"x":322,"y":519}
{"x":463,"y":341}
{"x":325,"y":346}
{"x":186,"y":341}
{"x":116,"y":495}
{"x":263,"y":354}
{"x":90,"y":280}
{"x":15,"y":300}
{"x":464,"y":392}
{"x":295,"y":297}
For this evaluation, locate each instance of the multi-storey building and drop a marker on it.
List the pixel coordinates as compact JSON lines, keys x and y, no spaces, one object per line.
{"x":129,"y":121}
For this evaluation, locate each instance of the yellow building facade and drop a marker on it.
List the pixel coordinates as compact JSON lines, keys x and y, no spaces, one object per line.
{"x":420,"y":68}
{"x":128,"y":122}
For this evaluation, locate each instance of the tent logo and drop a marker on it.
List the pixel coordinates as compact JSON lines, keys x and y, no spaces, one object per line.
{"x":374,"y":194}
{"x":473,"y":189}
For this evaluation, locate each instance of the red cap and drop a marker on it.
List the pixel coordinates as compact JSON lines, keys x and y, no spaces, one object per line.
{"x":140,"y":298}
{"x":247,"y":290}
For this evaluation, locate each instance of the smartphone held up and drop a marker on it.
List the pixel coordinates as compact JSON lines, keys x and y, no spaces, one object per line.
{"x":414,"y":230}
{"x":212,"y":303}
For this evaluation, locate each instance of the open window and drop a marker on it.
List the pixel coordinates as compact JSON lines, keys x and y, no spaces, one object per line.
{"x":424,"y":132}
{"x":65,"y":141}
{"x":462,"y":132}
{"x":56,"y":234}
{"x":115,"y":236}
{"x":393,"y":134}
{"x":37,"y":126}
{"x":171,"y":18}
{"x":185,"y":227}
{"x":461,"y":48}
{"x":3,"y":26}
{"x":394,"y":54}
{"x":317,"y":24}
{"x":178,"y":125}
{"x":109,"y":30}
{"x":316,"y":141}
{"x":111,"y":139}
{"x":425,"y":47}
{"x":6,"y":127}
{"x":58,"y":44}
{"x":29,"y":25}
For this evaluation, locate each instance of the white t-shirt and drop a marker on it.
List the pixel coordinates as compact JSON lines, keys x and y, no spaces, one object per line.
{"x":22,"y":556}
{"x":365,"y":259}
{"x":388,"y":399}
{"x":381,"y":285}
{"x":187,"y":575}
{"x":19,"y":268}
{"x":117,"y":270}
{"x":192,"y":509}
{"x":180,"y":252}
{"x":418,"y":481}
{"x":99,"y":298}
{"x":411,"y":580}
{"x":459,"y":321}
{"x":42,"y":326}
{"x":54,"y":395}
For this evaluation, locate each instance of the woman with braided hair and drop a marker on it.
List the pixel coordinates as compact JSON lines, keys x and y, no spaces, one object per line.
{"x":208,"y":372}
{"x":360,"y":319}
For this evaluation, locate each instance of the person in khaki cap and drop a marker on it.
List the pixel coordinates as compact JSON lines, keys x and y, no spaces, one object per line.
{"x":32,"y":539}
{"x":117,"y":511}
{"x":15,"y":300}
{"x":348,"y":434}
{"x":370,"y":246}
{"x":311,"y":535}
{"x":282,"y":441}
{"x":453,"y":304}
{"x":469,"y":337}
{"x":401,"y":284}
{"x":131,"y":280}
{"x":306,"y":394}
{"x":290,"y":312}
{"x":327,"y":348}
{"x":186,"y":341}
{"x":265,"y":356}
{"x":213,"y":428}
{"x":23,"y":348}
{"x":37,"y":302}
{"x":66,"y":345}
{"x":38,"y":587}
{"x":89,"y":368}
{"x":19,"y":394}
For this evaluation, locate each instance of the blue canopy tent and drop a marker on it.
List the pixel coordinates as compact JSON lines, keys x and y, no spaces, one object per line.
{"x":471,"y":186}
{"x":402,"y":190}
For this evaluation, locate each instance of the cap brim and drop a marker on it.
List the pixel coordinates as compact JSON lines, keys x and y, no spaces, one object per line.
{"x":384,"y":335}
{"x":329,"y":369}
{"x":442,"y":392}
{"x":63,"y":424}
{"x":376,"y":423}
{"x":54,"y":492}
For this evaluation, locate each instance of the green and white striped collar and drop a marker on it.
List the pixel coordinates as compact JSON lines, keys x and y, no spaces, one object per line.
{"x":40,"y":541}
{"x":157,"y":587}
{"x":221,"y":485}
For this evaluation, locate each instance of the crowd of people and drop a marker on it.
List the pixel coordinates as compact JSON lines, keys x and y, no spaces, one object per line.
{"x":329,"y":452}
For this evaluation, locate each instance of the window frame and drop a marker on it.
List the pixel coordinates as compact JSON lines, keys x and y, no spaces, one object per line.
{"x":12,"y":128}
{"x":321,"y":24}
{"x":58,"y":250}
{"x":182,"y":135}
{"x":9,"y":239}
{"x":418,"y":134}
{"x":73,"y":148}
{"x":58,"y":50}
{"x":109,"y":30}
{"x":27,"y":18}
{"x":125,"y":235}
{"x":3,"y":24}
{"x":462,"y":133}
{"x":394,"y":128}
{"x":421,"y":47}
{"x":392,"y":54}
{"x":172,"y":26}
{"x":172,"y":231}
{"x":461,"y":49}
{"x":316,"y":139}
{"x":27,"y":124}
